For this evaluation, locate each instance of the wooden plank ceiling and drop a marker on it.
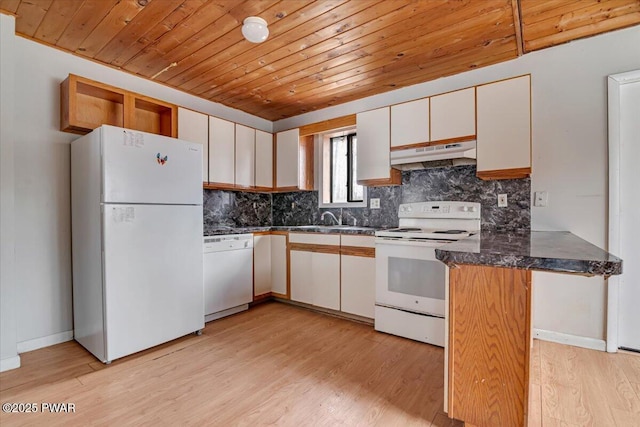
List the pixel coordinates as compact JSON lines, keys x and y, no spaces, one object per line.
{"x":319,"y":53}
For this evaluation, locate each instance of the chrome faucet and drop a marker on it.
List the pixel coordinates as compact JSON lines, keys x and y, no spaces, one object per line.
{"x":338,"y":221}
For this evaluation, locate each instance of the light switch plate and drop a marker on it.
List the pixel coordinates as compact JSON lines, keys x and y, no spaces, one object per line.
{"x":374,"y":203}
{"x":502,"y":200}
{"x":540,"y":199}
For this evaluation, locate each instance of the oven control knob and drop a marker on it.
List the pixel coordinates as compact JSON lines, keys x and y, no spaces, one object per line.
{"x":408,"y":209}
{"x":465,"y":208}
{"x":472,"y":208}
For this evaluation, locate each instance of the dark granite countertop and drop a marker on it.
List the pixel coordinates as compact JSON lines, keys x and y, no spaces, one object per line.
{"x":558,"y":251}
{"x":325,"y":229}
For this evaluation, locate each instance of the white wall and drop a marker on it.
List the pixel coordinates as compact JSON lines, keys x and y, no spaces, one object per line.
{"x":9,"y":358}
{"x":41,"y":182}
{"x":569,"y":96}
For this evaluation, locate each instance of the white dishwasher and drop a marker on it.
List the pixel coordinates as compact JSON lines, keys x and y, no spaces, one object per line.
{"x":228,"y":274}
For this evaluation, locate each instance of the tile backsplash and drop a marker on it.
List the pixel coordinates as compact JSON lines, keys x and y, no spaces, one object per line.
{"x":459,"y":183}
{"x":235,"y":209}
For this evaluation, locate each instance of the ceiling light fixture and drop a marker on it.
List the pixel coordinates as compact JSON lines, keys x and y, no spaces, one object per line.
{"x":255,"y":29}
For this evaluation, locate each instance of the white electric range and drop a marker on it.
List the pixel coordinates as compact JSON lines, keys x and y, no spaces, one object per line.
{"x":411,"y":284}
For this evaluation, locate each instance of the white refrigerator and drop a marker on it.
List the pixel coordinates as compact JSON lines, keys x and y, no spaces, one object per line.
{"x":136,"y":206}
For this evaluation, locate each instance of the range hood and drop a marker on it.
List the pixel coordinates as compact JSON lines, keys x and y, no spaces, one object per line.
{"x":418,"y":158}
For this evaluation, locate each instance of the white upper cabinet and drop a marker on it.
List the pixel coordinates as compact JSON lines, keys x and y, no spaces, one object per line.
{"x":194,"y":127}
{"x":221,"y":151}
{"x":409,"y":123}
{"x":373,"y":161}
{"x":453,"y":115}
{"x":264,"y":159}
{"x":287,"y":158}
{"x":245,"y":156}
{"x":504,"y":128}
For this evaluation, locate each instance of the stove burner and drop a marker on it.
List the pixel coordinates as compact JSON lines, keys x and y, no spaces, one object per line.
{"x":405,"y":229}
{"x":449,"y":231}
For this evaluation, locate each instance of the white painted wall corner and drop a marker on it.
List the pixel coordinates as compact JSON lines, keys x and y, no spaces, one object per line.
{"x":9,"y":363}
{"x":30,"y":345}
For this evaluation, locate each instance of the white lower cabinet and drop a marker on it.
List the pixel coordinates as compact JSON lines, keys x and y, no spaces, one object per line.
{"x":301,"y":276}
{"x":279,"y":264}
{"x":270,"y":264}
{"x":315,"y":278}
{"x":261,"y":264}
{"x":328,"y":271}
{"x":315,"y":269}
{"x":326,"y":280}
{"x":358,"y":275}
{"x":358,"y":278}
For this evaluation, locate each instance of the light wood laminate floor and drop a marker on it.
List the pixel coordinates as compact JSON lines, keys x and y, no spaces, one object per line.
{"x":282,"y":365}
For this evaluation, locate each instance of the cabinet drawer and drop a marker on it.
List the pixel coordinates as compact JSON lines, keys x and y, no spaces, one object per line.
{"x":315,"y":239}
{"x":359,"y":241}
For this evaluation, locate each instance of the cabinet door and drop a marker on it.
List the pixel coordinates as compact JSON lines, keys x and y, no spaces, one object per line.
{"x":221,"y":151}
{"x":287,"y":158}
{"x":302,"y":276}
{"x":453,"y":115}
{"x":504,"y":128}
{"x":325,"y":275}
{"x":261,"y":264}
{"x":264,"y":159}
{"x":245,"y":156}
{"x":279,"y":265}
{"x":194,"y":127}
{"x":409,"y":123}
{"x":373,"y":160}
{"x":358,"y":285}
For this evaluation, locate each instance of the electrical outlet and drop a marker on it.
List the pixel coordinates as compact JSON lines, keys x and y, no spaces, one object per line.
{"x":374,"y":203}
{"x":540,"y":199}
{"x":293,"y":205}
{"x":502,"y":200}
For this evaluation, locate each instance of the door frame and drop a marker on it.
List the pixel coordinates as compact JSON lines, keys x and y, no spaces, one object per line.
{"x":615,"y":82}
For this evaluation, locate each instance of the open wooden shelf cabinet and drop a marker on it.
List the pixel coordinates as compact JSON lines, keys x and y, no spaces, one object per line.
{"x":86,"y":104}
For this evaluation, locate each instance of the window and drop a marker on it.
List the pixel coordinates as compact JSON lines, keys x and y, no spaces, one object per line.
{"x":339,"y":173}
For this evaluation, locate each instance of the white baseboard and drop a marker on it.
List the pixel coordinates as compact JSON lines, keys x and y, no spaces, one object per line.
{"x":568,"y":339}
{"x":37,"y":343}
{"x":9,"y":363}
